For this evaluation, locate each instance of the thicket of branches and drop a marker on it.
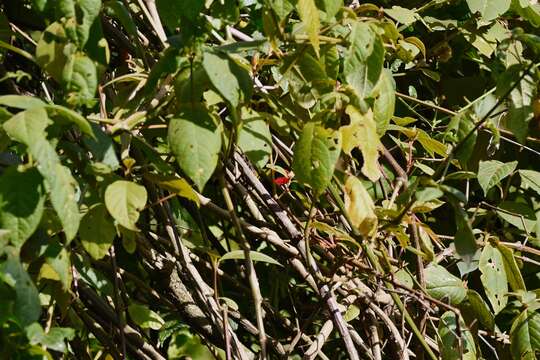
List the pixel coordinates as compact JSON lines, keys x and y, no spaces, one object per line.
{"x":269,"y":179}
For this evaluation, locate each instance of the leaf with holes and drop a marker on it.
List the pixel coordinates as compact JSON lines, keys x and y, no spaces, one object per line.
{"x":494,"y":277}
{"x":362,"y":133}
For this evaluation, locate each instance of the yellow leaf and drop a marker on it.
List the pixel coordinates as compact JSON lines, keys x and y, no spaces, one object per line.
{"x":359,"y":206}
{"x":310,"y":18}
{"x":175,"y":185}
{"x":362,"y":133}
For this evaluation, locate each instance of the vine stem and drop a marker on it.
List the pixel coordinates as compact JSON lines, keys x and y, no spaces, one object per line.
{"x":252,"y":275}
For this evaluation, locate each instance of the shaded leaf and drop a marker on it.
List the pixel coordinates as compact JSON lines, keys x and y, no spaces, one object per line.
{"x":525,"y":335}
{"x":385,"y":101}
{"x":22,"y":198}
{"x":530,"y":179}
{"x":255,"y":139}
{"x":515,"y":279}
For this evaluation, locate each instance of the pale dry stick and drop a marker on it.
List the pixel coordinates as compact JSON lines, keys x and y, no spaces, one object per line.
{"x":155,"y":21}
{"x":374,"y":333}
{"x":393,"y":329}
{"x":251,"y":273}
{"x":325,"y":332}
{"x":324,"y":290}
{"x":118,"y":304}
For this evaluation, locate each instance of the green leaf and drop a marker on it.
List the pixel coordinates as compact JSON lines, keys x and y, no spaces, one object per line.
{"x":56,"y":338}
{"x":309,"y":14}
{"x":360,"y":206}
{"x":463,"y":124}
{"x":528,"y":10}
{"x":385,"y":101}
{"x":198,"y":159}
{"x":97,"y":231}
{"x":364,"y":59}
{"x":255,"y":139}
{"x":229,"y":78}
{"x":28,"y":127}
{"x":489,"y":9}
{"x":22,"y":197}
{"x":402,"y":15}
{"x":525,"y":335}
{"x":490,"y":173}
{"x":83,"y":13}
{"x":172,"y":11}
{"x":124,"y":200}
{"x":184,"y":344}
{"x":444,"y":286}
{"x":493,"y":277}
{"x":515,"y":279}
{"x":362,"y":133}
{"x":144,"y":317}
{"x":464,"y":239}
{"x":21,"y":102}
{"x":27,"y":306}
{"x":431,"y":145}
{"x":450,"y":345}
{"x":530,"y":179}
{"x":315,"y":155}
{"x":254,"y":255}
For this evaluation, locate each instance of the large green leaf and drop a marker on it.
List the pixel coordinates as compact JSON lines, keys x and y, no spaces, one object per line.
{"x":83,"y":13}
{"x":124,"y":200}
{"x":230,"y":79}
{"x":81,"y":80}
{"x":172,"y":11}
{"x":490,"y":173}
{"x":315,"y":155}
{"x":255,"y":139}
{"x":362,"y":133}
{"x":525,"y":335}
{"x":494,"y":277}
{"x":530,"y":179}
{"x":444,"y":286}
{"x":475,"y":308}
{"x":309,"y":14}
{"x":528,"y":10}
{"x":22,"y":197}
{"x":28,"y":127}
{"x":364,"y":59}
{"x":27,"y":306}
{"x":464,"y":124}
{"x":489,"y":9}
{"x":57,"y":258}
{"x":518,"y":214}
{"x":464,"y":239}
{"x":21,"y":102}
{"x":198,"y":159}
{"x":97,"y":231}
{"x":385,"y":101}
{"x":360,"y":206}
{"x":450,"y":345}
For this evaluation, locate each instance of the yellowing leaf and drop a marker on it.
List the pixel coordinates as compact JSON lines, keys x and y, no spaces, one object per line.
{"x":359,"y":206}
{"x":175,"y":185}
{"x":310,"y":18}
{"x":124,"y":200}
{"x":362,"y":133}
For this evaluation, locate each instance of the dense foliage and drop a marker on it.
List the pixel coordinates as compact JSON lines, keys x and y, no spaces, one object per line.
{"x":269,"y":179}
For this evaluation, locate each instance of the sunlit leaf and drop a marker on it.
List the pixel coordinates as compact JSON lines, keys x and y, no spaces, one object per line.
{"x":444,"y":286}
{"x":124,"y":200}
{"x":254,"y":255}
{"x":494,"y":277}
{"x":360,"y":206}
{"x":490,"y":173}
